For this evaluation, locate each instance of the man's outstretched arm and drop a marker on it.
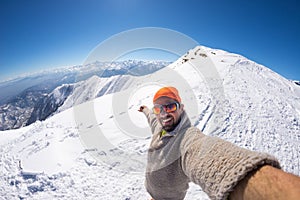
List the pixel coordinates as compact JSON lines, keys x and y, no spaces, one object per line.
{"x":267,"y":183}
{"x":218,"y":166}
{"x":153,"y":123}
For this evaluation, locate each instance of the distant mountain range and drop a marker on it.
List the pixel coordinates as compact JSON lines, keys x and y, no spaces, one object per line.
{"x":38,"y":96}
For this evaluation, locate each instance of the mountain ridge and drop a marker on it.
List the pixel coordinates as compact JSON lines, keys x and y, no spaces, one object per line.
{"x":242,"y":102}
{"x":37,"y":102}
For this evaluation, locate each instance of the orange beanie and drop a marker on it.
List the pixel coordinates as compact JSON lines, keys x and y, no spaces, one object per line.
{"x":170,"y":92}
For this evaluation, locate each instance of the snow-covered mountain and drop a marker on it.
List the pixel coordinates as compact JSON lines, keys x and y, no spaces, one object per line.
{"x":38,"y":96}
{"x":225,"y":95}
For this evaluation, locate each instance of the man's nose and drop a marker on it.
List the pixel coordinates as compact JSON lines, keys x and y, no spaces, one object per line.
{"x":163,"y":113}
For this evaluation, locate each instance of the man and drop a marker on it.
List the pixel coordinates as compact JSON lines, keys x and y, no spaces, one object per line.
{"x":180,"y":153}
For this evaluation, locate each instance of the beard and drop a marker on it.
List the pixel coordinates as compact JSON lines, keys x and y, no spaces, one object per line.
{"x":168,"y":123}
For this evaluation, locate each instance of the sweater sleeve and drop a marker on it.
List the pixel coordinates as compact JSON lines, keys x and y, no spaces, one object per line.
{"x":153,"y":123}
{"x":217,"y":165}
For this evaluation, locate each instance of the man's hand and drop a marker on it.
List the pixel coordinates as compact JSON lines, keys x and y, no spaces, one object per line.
{"x":142,"y":108}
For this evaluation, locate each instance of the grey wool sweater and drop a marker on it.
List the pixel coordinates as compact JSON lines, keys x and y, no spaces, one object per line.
{"x":187,"y":155}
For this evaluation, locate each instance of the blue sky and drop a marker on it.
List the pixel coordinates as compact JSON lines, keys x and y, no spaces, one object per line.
{"x":44,"y":34}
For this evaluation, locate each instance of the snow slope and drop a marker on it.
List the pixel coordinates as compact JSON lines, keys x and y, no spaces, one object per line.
{"x":37,"y":96}
{"x":225,"y":95}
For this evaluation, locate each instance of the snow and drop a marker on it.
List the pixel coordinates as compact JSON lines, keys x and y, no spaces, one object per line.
{"x":97,"y":149}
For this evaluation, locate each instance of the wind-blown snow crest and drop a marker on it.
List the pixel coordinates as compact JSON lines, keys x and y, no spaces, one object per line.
{"x":239,"y":100}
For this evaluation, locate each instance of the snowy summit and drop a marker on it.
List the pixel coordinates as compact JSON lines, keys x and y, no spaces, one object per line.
{"x":225,"y":95}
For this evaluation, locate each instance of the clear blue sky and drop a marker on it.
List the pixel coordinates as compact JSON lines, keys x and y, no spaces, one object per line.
{"x":41,"y":34}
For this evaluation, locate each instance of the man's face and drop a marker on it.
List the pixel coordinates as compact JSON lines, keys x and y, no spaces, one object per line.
{"x":169,"y":121}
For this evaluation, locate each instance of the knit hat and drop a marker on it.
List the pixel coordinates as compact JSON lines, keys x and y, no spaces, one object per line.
{"x":170,"y":92}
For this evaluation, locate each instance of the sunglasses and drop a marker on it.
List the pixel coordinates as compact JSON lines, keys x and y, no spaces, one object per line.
{"x":168,"y":108}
